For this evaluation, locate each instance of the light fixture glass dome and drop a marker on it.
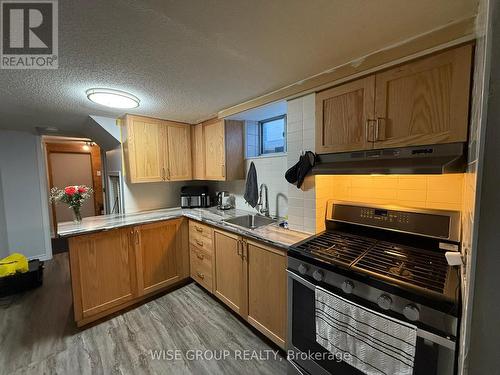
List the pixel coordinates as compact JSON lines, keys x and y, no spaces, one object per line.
{"x":112,"y":98}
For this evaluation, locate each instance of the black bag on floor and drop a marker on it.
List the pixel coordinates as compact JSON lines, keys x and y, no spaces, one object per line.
{"x":21,"y":282}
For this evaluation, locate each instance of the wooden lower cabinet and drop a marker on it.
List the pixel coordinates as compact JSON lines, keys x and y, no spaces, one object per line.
{"x":103,"y":271}
{"x":114,"y":269}
{"x":267,"y":291}
{"x":250,"y":278}
{"x":230,"y":271}
{"x":162,"y":254}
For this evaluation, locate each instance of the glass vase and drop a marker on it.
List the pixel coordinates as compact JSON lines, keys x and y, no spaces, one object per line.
{"x":77,"y":215}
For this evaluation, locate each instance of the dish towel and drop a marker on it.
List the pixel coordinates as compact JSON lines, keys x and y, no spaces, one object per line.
{"x":373,"y":343}
{"x":251,"y":187}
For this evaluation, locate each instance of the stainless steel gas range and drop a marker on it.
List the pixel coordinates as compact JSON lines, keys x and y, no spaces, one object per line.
{"x":389,"y":260}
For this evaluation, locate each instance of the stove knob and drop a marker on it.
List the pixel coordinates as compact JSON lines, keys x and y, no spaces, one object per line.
{"x":347,"y":286}
{"x":303,"y":269}
{"x":318,"y":275}
{"x":384,"y":302}
{"x":411,"y":312}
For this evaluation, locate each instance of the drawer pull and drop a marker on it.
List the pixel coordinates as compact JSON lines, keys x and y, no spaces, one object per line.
{"x":200,"y":256}
{"x":200,"y":275}
{"x":198,"y":229}
{"x":200,"y":243}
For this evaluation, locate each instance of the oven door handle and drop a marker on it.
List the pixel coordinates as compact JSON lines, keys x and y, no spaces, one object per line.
{"x":301,"y":280}
{"x":426,"y":335}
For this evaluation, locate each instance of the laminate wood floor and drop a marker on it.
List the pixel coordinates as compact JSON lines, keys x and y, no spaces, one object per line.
{"x":38,"y":335}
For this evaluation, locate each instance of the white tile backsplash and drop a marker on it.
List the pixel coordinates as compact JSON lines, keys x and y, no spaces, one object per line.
{"x":301,"y":137}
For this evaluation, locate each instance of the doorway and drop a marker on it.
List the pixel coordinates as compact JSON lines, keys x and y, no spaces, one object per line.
{"x":74,"y":161}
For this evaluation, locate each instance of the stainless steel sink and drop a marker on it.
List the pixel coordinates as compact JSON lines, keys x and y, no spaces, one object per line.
{"x":250,"y":221}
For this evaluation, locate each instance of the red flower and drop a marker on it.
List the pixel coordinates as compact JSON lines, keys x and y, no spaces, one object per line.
{"x":82,"y":189}
{"x":70,"y":190}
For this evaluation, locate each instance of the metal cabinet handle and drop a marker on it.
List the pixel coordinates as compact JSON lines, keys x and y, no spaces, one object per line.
{"x":367,"y":129}
{"x":200,"y":275}
{"x":239,"y":248}
{"x":377,"y":130}
{"x":244,"y":249}
{"x":168,"y":173}
{"x":137,"y":237}
{"x":199,"y":243}
{"x":163,"y":174}
{"x":223,"y":170}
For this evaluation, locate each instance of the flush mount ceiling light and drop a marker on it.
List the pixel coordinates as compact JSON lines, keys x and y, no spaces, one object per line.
{"x":112,"y":98}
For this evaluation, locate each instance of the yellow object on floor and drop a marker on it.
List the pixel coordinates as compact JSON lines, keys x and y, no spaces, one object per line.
{"x":13,"y":263}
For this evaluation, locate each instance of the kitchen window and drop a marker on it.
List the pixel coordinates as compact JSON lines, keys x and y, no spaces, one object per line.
{"x":266,"y":137}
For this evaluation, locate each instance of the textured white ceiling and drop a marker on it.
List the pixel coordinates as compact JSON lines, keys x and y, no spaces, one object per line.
{"x":187,"y":59}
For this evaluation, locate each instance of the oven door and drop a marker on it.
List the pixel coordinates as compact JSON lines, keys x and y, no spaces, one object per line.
{"x":434,"y":354}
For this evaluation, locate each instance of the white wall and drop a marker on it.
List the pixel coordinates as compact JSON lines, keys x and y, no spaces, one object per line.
{"x":24,"y":194}
{"x":147,"y":196}
{"x":301,"y":137}
{"x":270,"y":171}
{"x":4,"y":242}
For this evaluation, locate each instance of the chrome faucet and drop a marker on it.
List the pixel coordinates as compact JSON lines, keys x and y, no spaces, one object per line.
{"x":263,"y":209}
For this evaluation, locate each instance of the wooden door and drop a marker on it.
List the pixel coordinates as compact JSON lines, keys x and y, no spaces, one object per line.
{"x":144,"y":149}
{"x":178,"y":158}
{"x":230,"y":272}
{"x":215,"y":153}
{"x":344,"y":117}
{"x":198,"y":153}
{"x":424,"y":102}
{"x":103,"y":271}
{"x":160,"y":257}
{"x":267,"y":305}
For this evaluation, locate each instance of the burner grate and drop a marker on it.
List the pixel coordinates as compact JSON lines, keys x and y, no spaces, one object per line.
{"x":415,"y":267}
{"x":337,"y":248}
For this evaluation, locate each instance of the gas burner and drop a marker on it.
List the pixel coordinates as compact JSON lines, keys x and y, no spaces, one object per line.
{"x":401,"y":271}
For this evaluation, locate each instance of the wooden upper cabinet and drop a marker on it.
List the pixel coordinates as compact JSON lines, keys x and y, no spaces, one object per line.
{"x":198,"y":152}
{"x":103,"y":271}
{"x":156,"y":150}
{"x":215,"y":151}
{"x":179,"y":152}
{"x":424,"y":102}
{"x":343,"y":116}
{"x":418,"y":103}
{"x":223,"y":150}
{"x":230,"y":271}
{"x":143,"y":147}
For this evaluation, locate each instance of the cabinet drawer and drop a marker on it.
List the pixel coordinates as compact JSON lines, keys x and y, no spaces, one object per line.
{"x":200,"y":229}
{"x":201,"y":267}
{"x":201,"y":241}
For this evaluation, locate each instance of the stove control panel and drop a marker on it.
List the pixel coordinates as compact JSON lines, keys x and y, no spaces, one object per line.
{"x":442,"y":224}
{"x":385,"y":215}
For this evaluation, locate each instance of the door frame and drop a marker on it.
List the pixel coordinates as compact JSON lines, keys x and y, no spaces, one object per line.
{"x":75,"y":148}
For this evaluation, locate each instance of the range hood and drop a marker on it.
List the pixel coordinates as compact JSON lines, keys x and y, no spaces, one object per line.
{"x":433,"y":159}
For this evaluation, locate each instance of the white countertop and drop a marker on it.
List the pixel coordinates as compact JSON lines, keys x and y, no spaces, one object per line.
{"x":272,"y":233}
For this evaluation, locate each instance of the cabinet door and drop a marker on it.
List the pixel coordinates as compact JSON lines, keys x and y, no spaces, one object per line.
{"x":230,"y":273}
{"x":103,"y":271}
{"x":267,"y":305}
{"x":424,"y":102}
{"x":215,"y":156}
{"x":198,"y":153}
{"x":160,"y":255}
{"x":178,"y":166}
{"x":144,"y":150}
{"x":343,"y":116}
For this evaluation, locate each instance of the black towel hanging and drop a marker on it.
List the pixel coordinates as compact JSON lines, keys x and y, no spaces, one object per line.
{"x":298,"y":172}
